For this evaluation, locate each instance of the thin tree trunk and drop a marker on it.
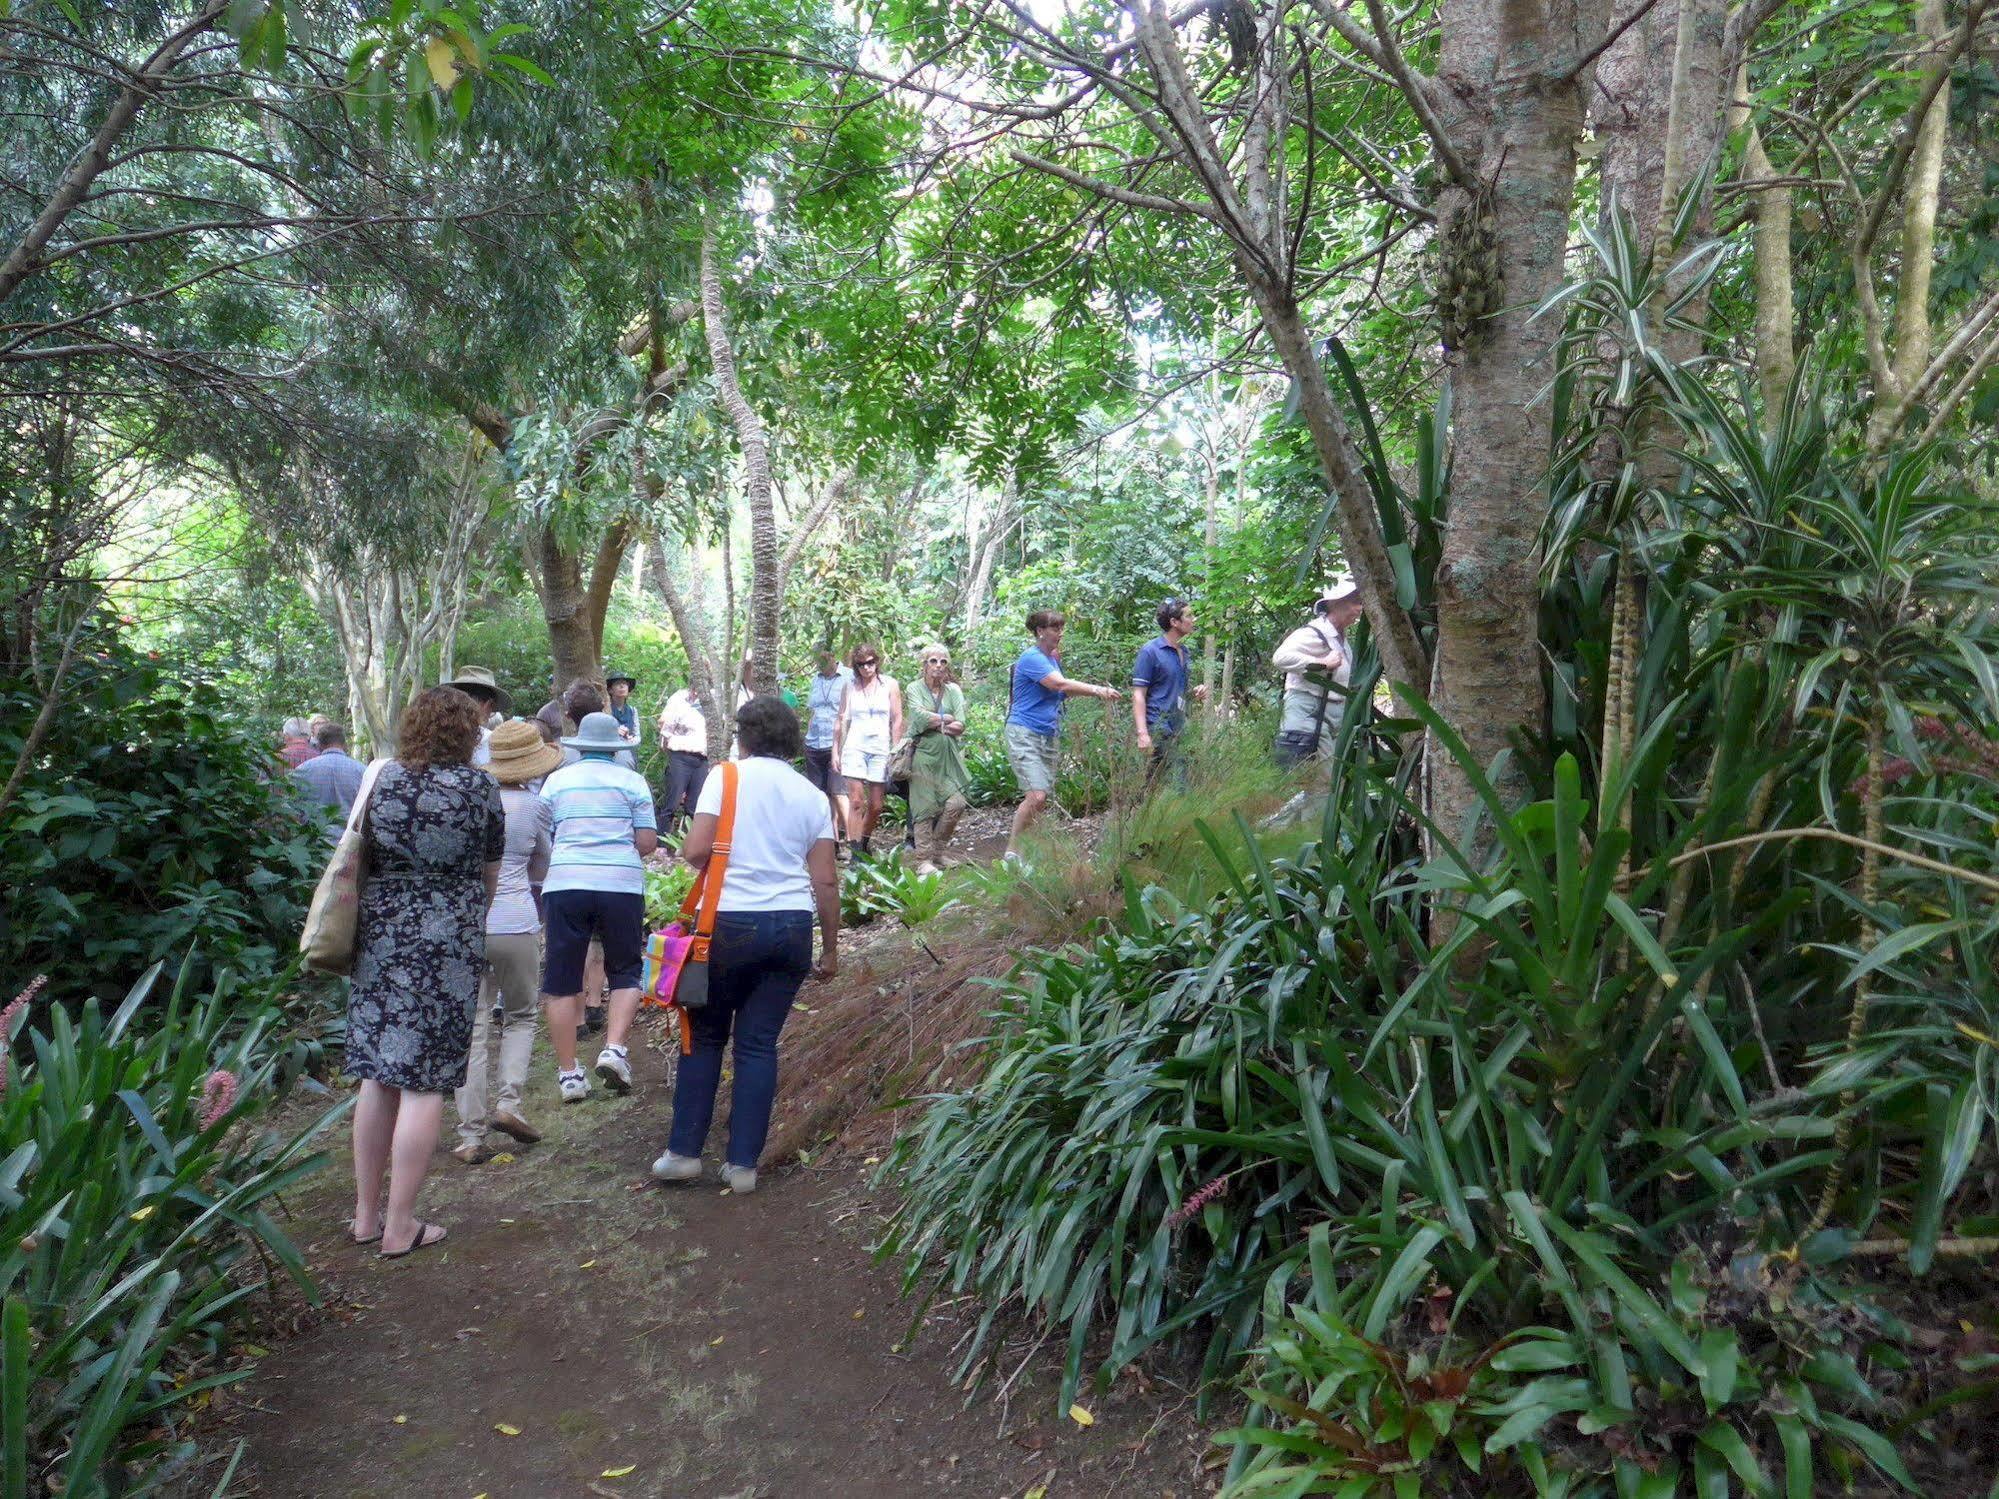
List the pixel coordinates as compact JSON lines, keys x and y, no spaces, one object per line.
{"x":705,"y":673}
{"x":1919,"y":230}
{"x":1403,"y":660}
{"x":801,"y":535}
{"x":1211,"y":536}
{"x":1770,"y":208}
{"x":994,"y":537}
{"x":765,"y":596}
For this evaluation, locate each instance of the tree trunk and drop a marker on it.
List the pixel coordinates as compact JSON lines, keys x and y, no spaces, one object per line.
{"x":1919,"y":230}
{"x":706,"y":675}
{"x":991,"y":538}
{"x":572,"y":643}
{"x":765,"y":597}
{"x":1636,"y":114}
{"x":1403,"y":660}
{"x":1770,"y":208}
{"x":1521,"y":138}
{"x":573,"y":606}
{"x":1254,"y":213}
{"x":831,"y":499}
{"x":387,"y":614}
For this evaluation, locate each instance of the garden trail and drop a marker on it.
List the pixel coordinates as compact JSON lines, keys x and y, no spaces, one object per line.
{"x":647,"y":1342}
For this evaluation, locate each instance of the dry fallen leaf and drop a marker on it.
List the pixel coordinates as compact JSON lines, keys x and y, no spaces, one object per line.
{"x":505,"y":1429}
{"x":624,"y":1472}
{"x":1081,"y":1417}
{"x":860,"y":1314}
{"x":586,"y":1264}
{"x":401,"y":1420}
{"x":718,"y":1342}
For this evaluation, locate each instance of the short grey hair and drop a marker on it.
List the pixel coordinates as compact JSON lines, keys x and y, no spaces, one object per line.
{"x":297,"y":728}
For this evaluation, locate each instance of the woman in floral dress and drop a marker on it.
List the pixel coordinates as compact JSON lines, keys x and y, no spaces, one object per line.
{"x":434,"y":831}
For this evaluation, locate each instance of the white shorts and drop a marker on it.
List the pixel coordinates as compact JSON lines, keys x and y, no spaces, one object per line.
{"x":864,"y":765}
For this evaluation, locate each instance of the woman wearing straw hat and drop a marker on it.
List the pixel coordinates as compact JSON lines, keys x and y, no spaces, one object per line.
{"x":520,"y":758}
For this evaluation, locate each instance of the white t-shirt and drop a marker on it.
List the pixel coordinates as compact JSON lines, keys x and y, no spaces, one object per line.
{"x":779,"y":816}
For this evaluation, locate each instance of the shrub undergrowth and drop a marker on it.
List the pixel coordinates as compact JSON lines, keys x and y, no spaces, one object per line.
{"x":135,"y":1193}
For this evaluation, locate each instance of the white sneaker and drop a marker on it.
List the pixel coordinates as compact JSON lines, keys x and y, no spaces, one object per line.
{"x":615,"y":1068}
{"x":742,"y":1180}
{"x":573,"y":1086}
{"x":677,"y":1168}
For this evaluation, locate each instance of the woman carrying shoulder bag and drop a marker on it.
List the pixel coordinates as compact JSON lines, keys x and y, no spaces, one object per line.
{"x":778,"y":869}
{"x":434,"y":831}
{"x":939,"y":783}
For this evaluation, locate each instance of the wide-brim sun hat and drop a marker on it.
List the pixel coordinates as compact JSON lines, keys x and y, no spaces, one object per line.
{"x":1343,"y":586}
{"x":520,"y":754}
{"x":478,"y":676}
{"x":620,"y":676}
{"x":598,"y":731}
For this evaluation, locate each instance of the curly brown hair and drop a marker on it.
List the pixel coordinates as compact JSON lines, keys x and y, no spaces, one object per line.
{"x":439,"y":728}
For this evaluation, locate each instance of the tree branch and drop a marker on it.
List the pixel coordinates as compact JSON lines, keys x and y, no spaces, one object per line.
{"x":24,"y":258}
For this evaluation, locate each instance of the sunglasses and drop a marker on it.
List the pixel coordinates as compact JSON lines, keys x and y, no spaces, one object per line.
{"x":867,"y":661}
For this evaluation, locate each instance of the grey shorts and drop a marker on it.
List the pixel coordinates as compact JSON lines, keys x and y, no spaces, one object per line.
{"x":1032,"y":756}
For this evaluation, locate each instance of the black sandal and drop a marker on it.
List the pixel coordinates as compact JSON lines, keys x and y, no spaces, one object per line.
{"x":419,"y":1242}
{"x":356,"y":1239}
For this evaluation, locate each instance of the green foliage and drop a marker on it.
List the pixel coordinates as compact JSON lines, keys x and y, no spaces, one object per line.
{"x":152,"y":821}
{"x":1474,"y":1131}
{"x":135,"y":1192}
{"x":888,"y":884}
{"x":666,"y":888}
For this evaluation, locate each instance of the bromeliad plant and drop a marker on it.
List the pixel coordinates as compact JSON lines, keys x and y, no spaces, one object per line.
{"x":1208,"y":1114}
{"x":133,"y":1198}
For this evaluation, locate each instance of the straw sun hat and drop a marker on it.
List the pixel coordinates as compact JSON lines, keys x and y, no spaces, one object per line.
{"x":519,"y":755}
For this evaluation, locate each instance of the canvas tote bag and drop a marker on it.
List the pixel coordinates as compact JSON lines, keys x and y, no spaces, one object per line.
{"x":328,"y":939}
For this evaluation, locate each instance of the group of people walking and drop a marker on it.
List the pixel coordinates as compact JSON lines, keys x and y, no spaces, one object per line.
{"x":488,"y":885}
{"x":506,"y":865}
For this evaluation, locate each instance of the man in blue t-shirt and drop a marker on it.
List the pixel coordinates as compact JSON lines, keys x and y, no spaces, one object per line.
{"x":1034,"y":719}
{"x":1159,"y":689}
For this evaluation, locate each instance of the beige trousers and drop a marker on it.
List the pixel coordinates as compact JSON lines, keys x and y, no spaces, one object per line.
{"x":513,"y":971}
{"x":933,"y":833}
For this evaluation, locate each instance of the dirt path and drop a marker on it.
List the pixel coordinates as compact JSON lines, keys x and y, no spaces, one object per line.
{"x":711,"y":1345}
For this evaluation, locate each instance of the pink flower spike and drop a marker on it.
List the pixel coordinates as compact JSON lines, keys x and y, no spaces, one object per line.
{"x":19,"y":1003}
{"x":218,"y":1096}
{"x":1191,"y":1208}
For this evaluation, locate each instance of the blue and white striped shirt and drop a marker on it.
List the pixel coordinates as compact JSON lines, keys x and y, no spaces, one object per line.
{"x":595,"y":805}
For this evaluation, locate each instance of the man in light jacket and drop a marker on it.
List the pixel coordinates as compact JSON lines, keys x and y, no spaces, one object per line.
{"x":1317,"y":663}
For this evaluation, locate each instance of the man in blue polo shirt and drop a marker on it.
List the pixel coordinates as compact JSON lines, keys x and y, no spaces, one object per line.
{"x":1034,"y":717}
{"x":1159,"y":689}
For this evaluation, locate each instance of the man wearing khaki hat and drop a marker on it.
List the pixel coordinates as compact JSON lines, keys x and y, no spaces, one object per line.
{"x":1317,"y":663}
{"x":477,"y":683}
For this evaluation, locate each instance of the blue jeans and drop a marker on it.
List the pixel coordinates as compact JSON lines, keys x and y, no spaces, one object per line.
{"x":755,"y":966}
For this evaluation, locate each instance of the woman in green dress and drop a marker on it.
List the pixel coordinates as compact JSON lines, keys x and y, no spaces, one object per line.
{"x":933,"y":710}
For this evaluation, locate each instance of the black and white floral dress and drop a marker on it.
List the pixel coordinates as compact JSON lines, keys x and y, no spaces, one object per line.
{"x":420,"y":945}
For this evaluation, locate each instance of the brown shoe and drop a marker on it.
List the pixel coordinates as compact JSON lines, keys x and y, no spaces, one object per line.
{"x":471,"y":1155}
{"x":519,"y":1128}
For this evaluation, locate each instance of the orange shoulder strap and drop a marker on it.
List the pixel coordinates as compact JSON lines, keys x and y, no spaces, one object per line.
{"x":706,"y":892}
